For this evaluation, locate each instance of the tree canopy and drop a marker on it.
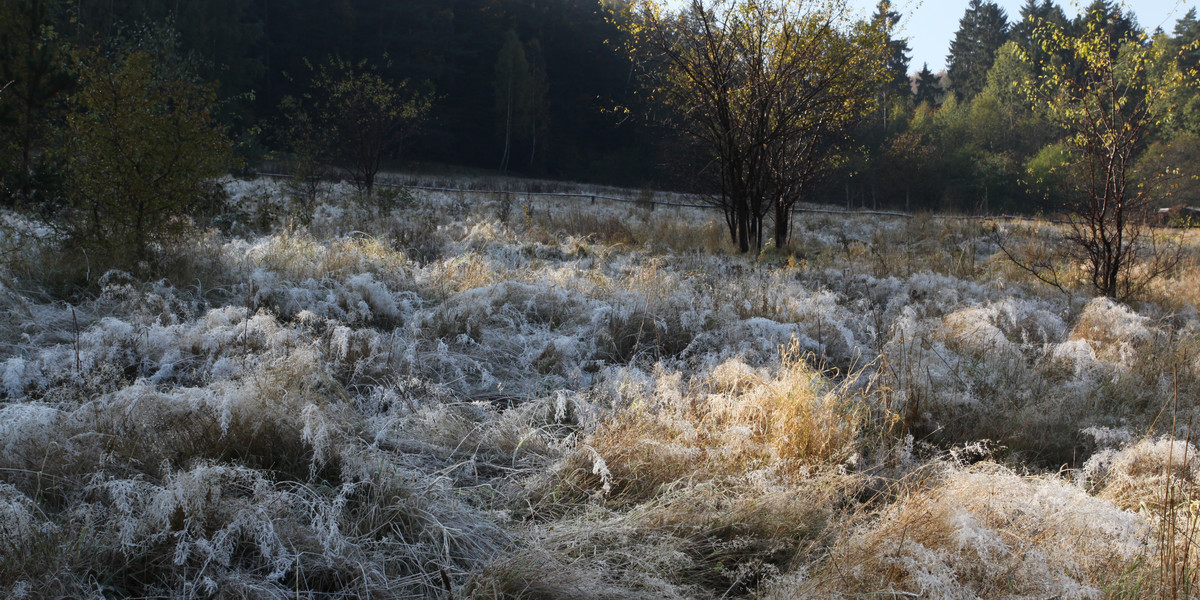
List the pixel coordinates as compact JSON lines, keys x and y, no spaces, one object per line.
{"x":143,"y":140}
{"x":765,"y":88}
{"x":981,"y":32}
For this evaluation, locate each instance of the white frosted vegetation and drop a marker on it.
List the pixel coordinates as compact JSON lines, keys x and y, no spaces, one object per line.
{"x":981,"y":532}
{"x":578,"y":402}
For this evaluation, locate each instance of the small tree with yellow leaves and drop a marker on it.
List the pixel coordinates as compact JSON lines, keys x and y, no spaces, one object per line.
{"x":768,"y":88}
{"x":143,"y":143}
{"x":1109,"y":97}
{"x":353,"y":116}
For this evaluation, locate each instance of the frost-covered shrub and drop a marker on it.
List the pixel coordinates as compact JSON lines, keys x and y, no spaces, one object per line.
{"x":1113,"y":329}
{"x":245,"y":487}
{"x":25,"y":429}
{"x":509,"y":305}
{"x":18,"y":521}
{"x":784,"y":423}
{"x":1005,"y":371}
{"x":982,"y":532}
{"x":298,"y":256}
{"x":1143,"y":473}
{"x":228,"y":531}
{"x":287,"y":416}
{"x":695,"y":540}
{"x":1010,"y":324}
{"x":219,"y":344}
{"x":625,"y":333}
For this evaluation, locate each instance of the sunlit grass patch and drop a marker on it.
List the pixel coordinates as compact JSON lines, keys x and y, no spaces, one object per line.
{"x":792,"y":421}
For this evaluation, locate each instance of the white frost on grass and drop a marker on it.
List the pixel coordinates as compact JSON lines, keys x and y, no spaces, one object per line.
{"x":383,"y":409}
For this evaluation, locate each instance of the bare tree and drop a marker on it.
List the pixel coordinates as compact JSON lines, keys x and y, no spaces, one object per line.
{"x":1108,"y":99}
{"x":359,"y":116}
{"x":765,"y":86}
{"x":514,"y":91}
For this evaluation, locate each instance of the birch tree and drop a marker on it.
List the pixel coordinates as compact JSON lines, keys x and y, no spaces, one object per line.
{"x":514,"y":92}
{"x":1108,"y":100}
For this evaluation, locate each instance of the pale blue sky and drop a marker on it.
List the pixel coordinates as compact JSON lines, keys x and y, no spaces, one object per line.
{"x":930,"y":25}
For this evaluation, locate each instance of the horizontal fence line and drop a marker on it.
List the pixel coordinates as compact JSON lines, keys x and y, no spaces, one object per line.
{"x":616,"y":199}
{"x":517,"y":192}
{"x":829,"y":211}
{"x":594,"y":197}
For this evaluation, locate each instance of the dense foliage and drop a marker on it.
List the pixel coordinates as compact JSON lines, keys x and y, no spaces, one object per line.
{"x":768,"y":90}
{"x":142,"y":144}
{"x":987,"y":146}
{"x":548,"y":89}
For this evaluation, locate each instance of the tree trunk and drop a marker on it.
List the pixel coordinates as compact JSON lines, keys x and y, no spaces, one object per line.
{"x":743,"y":225}
{"x":782,"y":223}
{"x":533,"y":143}
{"x":508,"y":117}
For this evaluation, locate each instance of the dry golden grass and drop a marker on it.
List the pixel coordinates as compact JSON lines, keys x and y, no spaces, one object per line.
{"x":1180,"y":290}
{"x":1159,"y":479}
{"x":791,"y":423}
{"x":981,"y":532}
{"x":464,"y":272}
{"x":295,"y":255}
{"x":1137,"y":477}
{"x":620,"y":450}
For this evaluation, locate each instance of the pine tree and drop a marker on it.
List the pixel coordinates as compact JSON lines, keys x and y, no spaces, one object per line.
{"x":1187,"y":40}
{"x":1036,"y":14}
{"x":1110,"y":20}
{"x":1187,"y":33}
{"x":33,"y":69}
{"x":929,"y":88}
{"x":897,"y":49}
{"x":982,"y":30}
{"x":897,"y":84}
{"x":1187,"y":29}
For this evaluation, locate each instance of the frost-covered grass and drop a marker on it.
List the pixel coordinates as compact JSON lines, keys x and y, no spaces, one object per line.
{"x":513,"y":396}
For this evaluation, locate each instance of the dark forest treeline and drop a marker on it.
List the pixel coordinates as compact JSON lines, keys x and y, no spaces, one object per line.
{"x":259,"y":52}
{"x":542,"y":88}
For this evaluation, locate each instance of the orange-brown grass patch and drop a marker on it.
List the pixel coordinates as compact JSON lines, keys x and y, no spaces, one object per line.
{"x":792,"y":422}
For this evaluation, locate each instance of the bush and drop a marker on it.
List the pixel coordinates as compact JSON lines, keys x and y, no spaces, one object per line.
{"x":143,"y":144}
{"x":353,"y":117}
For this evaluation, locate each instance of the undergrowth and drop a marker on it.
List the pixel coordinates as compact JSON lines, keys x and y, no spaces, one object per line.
{"x":503,"y":395}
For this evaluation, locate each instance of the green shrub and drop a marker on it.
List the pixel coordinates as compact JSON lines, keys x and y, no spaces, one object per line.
{"x":143,"y":144}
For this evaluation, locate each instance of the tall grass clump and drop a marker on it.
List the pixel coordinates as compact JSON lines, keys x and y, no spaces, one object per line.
{"x":554,"y":398}
{"x":785,"y":420}
{"x":978,"y":532}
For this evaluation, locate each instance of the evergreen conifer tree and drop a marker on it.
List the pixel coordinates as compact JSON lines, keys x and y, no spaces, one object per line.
{"x":1035,"y":13}
{"x":928,"y":88}
{"x":33,"y":69}
{"x":897,"y":49}
{"x":896,"y":84}
{"x":1109,"y":19}
{"x":1187,"y":32}
{"x":982,"y":30}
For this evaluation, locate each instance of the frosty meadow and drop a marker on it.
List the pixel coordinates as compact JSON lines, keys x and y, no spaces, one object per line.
{"x":507,"y":395}
{"x":300,"y":300}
